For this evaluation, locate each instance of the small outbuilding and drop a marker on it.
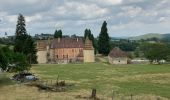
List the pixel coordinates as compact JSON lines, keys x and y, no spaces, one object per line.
{"x":117,"y":56}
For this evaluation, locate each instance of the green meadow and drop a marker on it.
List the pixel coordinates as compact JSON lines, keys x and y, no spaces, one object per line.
{"x":143,"y":82}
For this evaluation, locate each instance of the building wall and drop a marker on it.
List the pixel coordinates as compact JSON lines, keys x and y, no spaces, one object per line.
{"x":88,"y":55}
{"x":121,"y":60}
{"x":42,"y":57}
{"x":65,"y":53}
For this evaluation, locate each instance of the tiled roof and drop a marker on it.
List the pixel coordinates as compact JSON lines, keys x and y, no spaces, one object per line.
{"x":88,"y":44}
{"x":117,"y":52}
{"x":67,"y":43}
{"x":42,"y":44}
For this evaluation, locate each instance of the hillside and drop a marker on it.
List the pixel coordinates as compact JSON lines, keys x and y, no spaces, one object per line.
{"x":147,"y":36}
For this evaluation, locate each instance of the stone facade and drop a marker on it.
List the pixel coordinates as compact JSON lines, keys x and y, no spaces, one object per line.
{"x":88,"y":51}
{"x":64,"y":50}
{"x":88,"y":56}
{"x":120,"y":60}
{"x":42,"y":57}
{"x":42,"y":51}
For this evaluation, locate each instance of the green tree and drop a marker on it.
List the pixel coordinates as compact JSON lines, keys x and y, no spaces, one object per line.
{"x":58,"y":34}
{"x":8,"y":56}
{"x":23,"y":42}
{"x":104,"y":40}
{"x":20,"y":27}
{"x":3,"y":60}
{"x":21,"y":62}
{"x":155,"y":52}
{"x":88,"y":33}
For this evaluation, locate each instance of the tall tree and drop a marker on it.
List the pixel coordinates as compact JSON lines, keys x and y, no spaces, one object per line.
{"x":86,"y":33}
{"x":104,"y":40}
{"x":24,"y":42}
{"x":20,"y":27}
{"x":58,"y":34}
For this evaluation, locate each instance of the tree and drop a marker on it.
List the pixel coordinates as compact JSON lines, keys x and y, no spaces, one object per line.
{"x":8,"y":56}
{"x":23,"y":42}
{"x":58,"y":34}
{"x":3,"y":60}
{"x":104,"y":40}
{"x":21,"y":63}
{"x":20,"y":27}
{"x":155,"y":52}
{"x":30,"y":50}
{"x":87,"y":33}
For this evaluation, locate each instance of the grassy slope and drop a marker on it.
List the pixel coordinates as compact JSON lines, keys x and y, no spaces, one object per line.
{"x":138,"y":80}
{"x":125,"y":79}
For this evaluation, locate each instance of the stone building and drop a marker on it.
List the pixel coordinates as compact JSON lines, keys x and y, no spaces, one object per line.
{"x":62,"y":50}
{"x":88,"y":51}
{"x":117,"y":56}
{"x":42,"y":51}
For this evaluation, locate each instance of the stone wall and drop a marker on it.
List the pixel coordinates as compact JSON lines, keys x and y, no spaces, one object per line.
{"x":88,"y":55}
{"x":121,"y":60}
{"x":42,"y":57}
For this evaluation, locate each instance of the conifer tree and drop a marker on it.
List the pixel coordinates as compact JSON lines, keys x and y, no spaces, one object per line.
{"x":23,"y":42}
{"x":58,"y":34}
{"x":104,"y":40}
{"x":20,"y":27}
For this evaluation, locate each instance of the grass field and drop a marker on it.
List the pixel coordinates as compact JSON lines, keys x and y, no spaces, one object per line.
{"x":144,"y":82}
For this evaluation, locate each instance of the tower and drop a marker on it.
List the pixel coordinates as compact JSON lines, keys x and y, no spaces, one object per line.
{"x":88,"y":51}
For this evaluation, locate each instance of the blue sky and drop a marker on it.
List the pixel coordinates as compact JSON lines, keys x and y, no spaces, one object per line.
{"x":124,"y":17}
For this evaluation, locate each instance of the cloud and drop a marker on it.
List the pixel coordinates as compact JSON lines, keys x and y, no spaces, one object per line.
{"x":124,"y":17}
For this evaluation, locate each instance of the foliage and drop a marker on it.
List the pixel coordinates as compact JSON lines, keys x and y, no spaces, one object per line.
{"x":87,"y":33}
{"x":155,"y":52}
{"x":8,"y":57}
{"x":21,"y":62}
{"x":7,"y":41}
{"x":104,"y":40}
{"x":125,"y":45}
{"x":24,"y":43}
{"x":20,"y":27}
{"x":58,"y":34}
{"x":3,"y":60}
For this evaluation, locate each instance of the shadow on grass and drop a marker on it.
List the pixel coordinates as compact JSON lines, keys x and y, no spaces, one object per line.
{"x":4,"y":80}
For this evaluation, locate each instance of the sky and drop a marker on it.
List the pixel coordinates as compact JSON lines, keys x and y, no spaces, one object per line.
{"x":124,"y":17}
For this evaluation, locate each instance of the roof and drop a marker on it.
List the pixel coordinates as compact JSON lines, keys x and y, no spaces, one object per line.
{"x":88,"y":44}
{"x":117,"y":52}
{"x":42,"y":44}
{"x":67,"y":43}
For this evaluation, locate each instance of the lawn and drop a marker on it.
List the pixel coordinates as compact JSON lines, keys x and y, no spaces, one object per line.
{"x":144,"y":82}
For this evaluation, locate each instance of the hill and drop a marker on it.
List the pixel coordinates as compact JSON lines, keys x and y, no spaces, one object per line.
{"x":152,"y":35}
{"x":147,"y":36}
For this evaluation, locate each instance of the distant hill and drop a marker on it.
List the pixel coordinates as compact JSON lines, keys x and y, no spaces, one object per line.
{"x":151,"y":35}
